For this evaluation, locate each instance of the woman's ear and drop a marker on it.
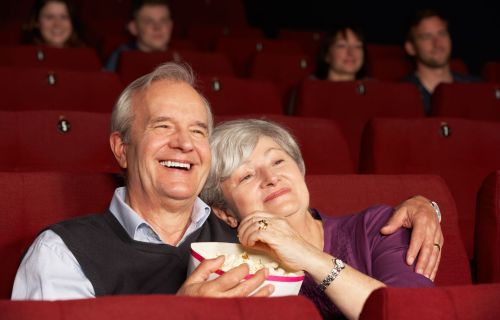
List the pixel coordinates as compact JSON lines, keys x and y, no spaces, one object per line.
{"x":226,"y":217}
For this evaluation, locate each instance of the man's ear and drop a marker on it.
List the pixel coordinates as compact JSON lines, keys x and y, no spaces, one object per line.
{"x":226,"y":217}
{"x":119,"y":148}
{"x":132,"y":28}
{"x":410,"y":48}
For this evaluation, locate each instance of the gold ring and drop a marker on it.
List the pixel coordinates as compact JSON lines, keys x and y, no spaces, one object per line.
{"x":438,"y":246}
{"x":262,"y":224}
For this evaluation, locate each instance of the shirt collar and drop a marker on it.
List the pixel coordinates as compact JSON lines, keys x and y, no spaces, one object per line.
{"x":131,"y":221}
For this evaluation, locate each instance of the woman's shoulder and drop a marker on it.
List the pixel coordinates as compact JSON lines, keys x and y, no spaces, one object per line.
{"x":374,"y":215}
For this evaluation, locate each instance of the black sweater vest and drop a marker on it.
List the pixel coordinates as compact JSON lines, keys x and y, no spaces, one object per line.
{"x":116,"y":264}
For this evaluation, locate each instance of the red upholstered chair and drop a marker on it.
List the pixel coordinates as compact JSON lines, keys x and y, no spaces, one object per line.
{"x":30,"y":201}
{"x":487,"y":232}
{"x":58,"y":89}
{"x":344,"y":194}
{"x":462,"y":151}
{"x":134,"y":64}
{"x":205,"y":36}
{"x":467,"y":100}
{"x":323,"y":146}
{"x":352,"y":104}
{"x":285,"y":69}
{"x":159,"y":307}
{"x":56,"y":140}
{"x":236,"y":96}
{"x":377,"y":51}
{"x":491,"y":71}
{"x":48,"y":57}
{"x":241,"y":51}
{"x":310,"y":40}
{"x":466,"y":302}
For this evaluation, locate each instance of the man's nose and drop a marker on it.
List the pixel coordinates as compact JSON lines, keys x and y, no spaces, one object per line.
{"x":181,"y":139}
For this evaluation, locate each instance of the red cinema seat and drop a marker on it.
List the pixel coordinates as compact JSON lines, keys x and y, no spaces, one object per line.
{"x":487,"y":232}
{"x":205,"y":36}
{"x":30,"y":201}
{"x":58,"y":89}
{"x":491,"y":71}
{"x":377,"y":51}
{"x":85,"y":59}
{"x":236,"y":96}
{"x":134,"y":64}
{"x":479,"y":101}
{"x":10,"y":31}
{"x":241,"y":51}
{"x":352,"y":104}
{"x":156,"y":307}
{"x":310,"y":40}
{"x":467,"y":302}
{"x":344,"y":194}
{"x":462,"y":151}
{"x":285,"y":69}
{"x":56,"y":140}
{"x":323,"y":146}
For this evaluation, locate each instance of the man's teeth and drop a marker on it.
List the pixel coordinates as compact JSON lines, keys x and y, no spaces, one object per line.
{"x":174,"y":164}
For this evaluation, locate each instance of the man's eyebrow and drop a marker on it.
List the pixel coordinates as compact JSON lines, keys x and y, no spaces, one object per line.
{"x":201,"y":124}
{"x":160,"y":119}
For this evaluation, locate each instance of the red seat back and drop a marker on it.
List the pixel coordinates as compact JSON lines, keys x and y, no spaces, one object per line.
{"x":487,"y":232}
{"x":30,"y":201}
{"x":491,"y":71}
{"x":352,"y":104}
{"x":56,"y":140}
{"x":462,"y":151}
{"x":49,"y":57}
{"x":57,"y":89}
{"x":344,"y":194}
{"x":134,"y":64}
{"x":467,"y":100}
{"x":236,"y":96}
{"x":155,"y":307}
{"x":446,"y":303}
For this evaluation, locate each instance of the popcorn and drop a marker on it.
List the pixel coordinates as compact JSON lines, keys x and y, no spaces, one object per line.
{"x":254,"y":263}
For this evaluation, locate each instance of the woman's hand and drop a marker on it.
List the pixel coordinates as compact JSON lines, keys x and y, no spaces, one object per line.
{"x":265,"y":231}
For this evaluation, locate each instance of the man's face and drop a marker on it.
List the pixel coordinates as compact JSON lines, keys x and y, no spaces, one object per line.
{"x":168,"y":155}
{"x":152,"y":27}
{"x":431,"y":43}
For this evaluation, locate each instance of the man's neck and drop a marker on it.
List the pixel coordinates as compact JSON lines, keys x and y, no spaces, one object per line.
{"x":431,"y":77}
{"x":169,"y":218}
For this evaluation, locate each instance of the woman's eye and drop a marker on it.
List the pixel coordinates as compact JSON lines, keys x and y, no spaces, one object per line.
{"x":246,"y":177}
{"x":278,"y":161}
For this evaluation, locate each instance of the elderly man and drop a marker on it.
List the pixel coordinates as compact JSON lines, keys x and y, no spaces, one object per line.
{"x":159,"y":135}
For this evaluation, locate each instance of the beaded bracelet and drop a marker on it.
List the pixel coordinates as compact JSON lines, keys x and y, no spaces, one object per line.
{"x":338,"y":265}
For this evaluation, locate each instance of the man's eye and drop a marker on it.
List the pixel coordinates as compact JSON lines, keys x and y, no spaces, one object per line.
{"x":199,"y":132}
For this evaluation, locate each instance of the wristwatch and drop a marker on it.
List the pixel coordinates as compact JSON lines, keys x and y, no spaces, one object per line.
{"x":436,"y":208}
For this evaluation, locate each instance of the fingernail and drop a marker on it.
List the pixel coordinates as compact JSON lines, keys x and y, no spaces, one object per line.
{"x":411,"y":260}
{"x":421,"y":271}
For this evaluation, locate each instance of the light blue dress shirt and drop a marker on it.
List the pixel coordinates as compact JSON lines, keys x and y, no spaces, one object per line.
{"x":49,"y":271}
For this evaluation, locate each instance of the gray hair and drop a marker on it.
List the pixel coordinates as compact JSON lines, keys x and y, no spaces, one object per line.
{"x":232,"y":143}
{"x":122,"y":115}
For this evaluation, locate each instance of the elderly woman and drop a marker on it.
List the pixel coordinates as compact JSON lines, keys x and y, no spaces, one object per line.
{"x":257,"y":177}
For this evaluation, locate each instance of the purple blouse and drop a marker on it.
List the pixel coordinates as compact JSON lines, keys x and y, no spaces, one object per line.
{"x":356,"y":239}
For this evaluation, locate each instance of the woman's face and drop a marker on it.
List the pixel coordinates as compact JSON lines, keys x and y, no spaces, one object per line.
{"x":269,"y":180}
{"x":55,"y":23}
{"x":345,"y":55}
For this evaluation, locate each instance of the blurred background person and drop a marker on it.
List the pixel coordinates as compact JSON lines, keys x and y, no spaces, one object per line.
{"x":342,"y":55}
{"x":53,"y":23}
{"x":428,"y":42}
{"x":151,"y":26}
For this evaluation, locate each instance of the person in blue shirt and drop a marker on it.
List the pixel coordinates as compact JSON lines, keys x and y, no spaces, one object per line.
{"x":151,"y":26}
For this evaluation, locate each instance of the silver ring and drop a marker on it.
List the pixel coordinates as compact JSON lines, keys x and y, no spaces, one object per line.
{"x":262,"y":224}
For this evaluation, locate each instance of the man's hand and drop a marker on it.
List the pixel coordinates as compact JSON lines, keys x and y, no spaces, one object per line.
{"x":426,"y":237}
{"x":230,"y":284}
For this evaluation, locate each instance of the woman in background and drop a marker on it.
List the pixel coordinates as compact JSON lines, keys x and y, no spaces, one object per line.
{"x":52,"y":23}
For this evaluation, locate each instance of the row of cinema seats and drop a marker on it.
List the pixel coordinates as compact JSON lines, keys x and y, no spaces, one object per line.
{"x":461,"y":151}
{"x":32,"y":200}
{"x":446,"y":303}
